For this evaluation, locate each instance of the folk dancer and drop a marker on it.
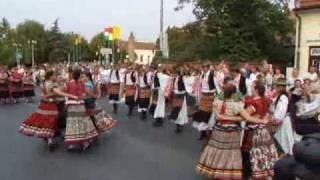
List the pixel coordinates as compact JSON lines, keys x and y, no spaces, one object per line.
{"x":157,"y":107}
{"x":28,"y":86}
{"x":15,"y":85}
{"x":4,"y":82}
{"x":102,"y":121}
{"x":258,"y":148}
{"x":45,"y":121}
{"x":208,"y":87}
{"x":130,"y":80}
{"x":221,"y":157}
{"x":281,"y":126}
{"x":80,"y":130}
{"x":144,"y":92}
{"x":179,"y":112}
{"x":114,"y":88}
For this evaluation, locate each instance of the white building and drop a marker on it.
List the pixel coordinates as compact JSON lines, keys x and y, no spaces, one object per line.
{"x":308,"y":35}
{"x":139,"y":52}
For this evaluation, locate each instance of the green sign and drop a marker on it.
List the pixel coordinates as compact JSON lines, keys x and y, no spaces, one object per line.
{"x":18,"y":56}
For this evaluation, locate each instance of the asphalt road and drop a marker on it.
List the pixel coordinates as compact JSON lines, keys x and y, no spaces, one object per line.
{"x":133,"y":151}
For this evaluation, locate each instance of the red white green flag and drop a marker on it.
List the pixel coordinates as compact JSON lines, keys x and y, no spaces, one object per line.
{"x":108,"y":33}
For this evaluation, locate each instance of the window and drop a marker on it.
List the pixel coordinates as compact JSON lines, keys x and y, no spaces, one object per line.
{"x":314,"y":57}
{"x":141,"y":58}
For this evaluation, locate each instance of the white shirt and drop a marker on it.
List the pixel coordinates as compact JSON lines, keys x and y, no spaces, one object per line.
{"x":128,"y":78}
{"x":205,"y":88}
{"x":105,"y":76}
{"x":113,"y":77}
{"x":280,"y":110}
{"x":122,"y":73}
{"x":141,"y":81}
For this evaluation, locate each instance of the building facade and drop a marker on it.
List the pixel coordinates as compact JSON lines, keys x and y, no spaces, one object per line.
{"x":139,"y":52}
{"x":307,"y":35}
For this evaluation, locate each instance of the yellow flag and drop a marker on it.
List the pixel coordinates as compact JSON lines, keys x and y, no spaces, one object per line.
{"x":77,"y":39}
{"x":116,"y":33}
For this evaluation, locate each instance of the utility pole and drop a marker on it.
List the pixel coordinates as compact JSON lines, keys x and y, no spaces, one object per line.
{"x":161,"y":26}
{"x":32,"y":43}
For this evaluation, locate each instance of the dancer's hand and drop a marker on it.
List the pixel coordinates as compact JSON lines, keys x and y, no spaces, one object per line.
{"x":265,"y":119}
{"x":75,"y":97}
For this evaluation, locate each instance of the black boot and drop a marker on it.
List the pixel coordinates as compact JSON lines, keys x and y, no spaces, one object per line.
{"x":143,"y":115}
{"x":115,"y":108}
{"x":179,"y":128}
{"x":130,"y":111}
{"x":158,"y":122}
{"x":203,"y":135}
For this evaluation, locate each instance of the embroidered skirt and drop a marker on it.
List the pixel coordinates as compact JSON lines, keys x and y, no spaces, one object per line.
{"x":221,"y":158}
{"x":154,"y":101}
{"x":28,"y":90}
{"x":114,"y":92}
{"x":43,"y":123}
{"x":176,"y":106}
{"x":262,"y":151}
{"x":205,"y":109}
{"x":4,"y":91}
{"x":15,"y":89}
{"x":144,"y":99}
{"x":130,"y":92}
{"x":79,"y":127}
{"x":102,"y":121}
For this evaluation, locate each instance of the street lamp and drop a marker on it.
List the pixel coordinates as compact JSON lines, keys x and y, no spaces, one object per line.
{"x":32,"y":43}
{"x":18,"y":57}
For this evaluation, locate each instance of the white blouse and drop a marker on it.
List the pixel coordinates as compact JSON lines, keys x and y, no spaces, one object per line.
{"x":280,"y":110}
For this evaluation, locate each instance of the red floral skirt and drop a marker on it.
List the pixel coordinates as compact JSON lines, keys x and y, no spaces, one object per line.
{"x":43,"y":123}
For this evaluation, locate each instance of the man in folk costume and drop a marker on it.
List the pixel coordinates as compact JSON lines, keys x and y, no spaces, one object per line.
{"x":122,"y":74}
{"x":144,"y":92}
{"x":130,"y":79}
{"x":157,"y":107}
{"x":114,"y":88}
{"x":179,"y":113}
{"x":208,"y":88}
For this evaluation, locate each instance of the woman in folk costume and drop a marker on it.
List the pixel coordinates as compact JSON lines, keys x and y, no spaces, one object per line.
{"x":15,"y":85}
{"x":114,"y":88}
{"x":44,"y":122}
{"x":130,"y":79}
{"x":144,"y":92}
{"x":80,"y":130}
{"x":4,"y":82}
{"x":28,"y":86}
{"x":158,"y":86}
{"x":208,"y":88}
{"x":281,"y":126}
{"x":259,"y":151}
{"x":102,"y":121}
{"x":60,"y":101}
{"x":221,"y":157}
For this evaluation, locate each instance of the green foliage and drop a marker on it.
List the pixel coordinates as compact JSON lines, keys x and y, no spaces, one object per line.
{"x":239,"y":30}
{"x":52,"y":45}
{"x":56,"y":47}
{"x":26,"y":32}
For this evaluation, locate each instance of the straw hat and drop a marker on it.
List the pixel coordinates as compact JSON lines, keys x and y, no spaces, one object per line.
{"x":281,"y":82}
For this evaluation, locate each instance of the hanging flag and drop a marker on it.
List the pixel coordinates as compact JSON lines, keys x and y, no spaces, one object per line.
{"x":116,"y":33}
{"x":108,"y":33}
{"x":77,"y":39}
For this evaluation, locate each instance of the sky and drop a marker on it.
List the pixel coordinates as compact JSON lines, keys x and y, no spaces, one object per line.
{"x":89,"y":17}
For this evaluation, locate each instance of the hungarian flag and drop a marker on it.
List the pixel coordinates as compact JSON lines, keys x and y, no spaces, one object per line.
{"x":108,"y":33}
